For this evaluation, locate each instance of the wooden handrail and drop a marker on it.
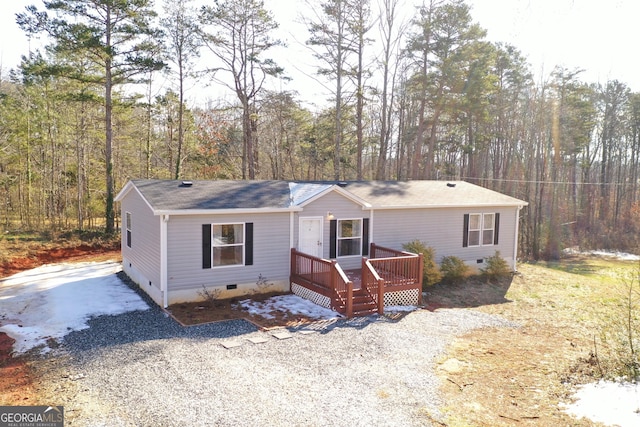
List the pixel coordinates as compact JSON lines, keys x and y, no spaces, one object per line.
{"x":387,"y":252}
{"x":398,"y":272}
{"x":373,"y":283}
{"x":323,"y":276}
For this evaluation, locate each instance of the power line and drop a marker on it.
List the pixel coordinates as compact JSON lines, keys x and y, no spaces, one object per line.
{"x":523,"y":181}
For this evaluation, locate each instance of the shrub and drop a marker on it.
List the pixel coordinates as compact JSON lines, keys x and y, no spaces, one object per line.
{"x":262,"y":285}
{"x":210,"y":295}
{"x":453,"y":269}
{"x":431,"y":273}
{"x":497,"y":268}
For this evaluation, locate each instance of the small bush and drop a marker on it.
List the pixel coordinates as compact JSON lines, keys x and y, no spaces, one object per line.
{"x":431,"y":272}
{"x":497,"y":268}
{"x":453,"y":269}
{"x":262,"y":285}
{"x":210,"y":295}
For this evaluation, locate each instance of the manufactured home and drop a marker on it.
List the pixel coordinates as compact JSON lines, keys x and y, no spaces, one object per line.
{"x":336,"y":243}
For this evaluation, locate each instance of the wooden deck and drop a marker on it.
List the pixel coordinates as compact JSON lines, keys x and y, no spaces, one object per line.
{"x":388,"y":273}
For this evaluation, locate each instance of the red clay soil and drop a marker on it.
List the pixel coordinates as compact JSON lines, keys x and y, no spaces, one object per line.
{"x":15,"y":376}
{"x":77,"y":253}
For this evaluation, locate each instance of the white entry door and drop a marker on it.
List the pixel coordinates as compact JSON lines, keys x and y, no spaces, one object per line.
{"x":310,"y":237}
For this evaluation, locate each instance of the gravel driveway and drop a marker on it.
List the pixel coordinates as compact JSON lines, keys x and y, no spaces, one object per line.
{"x":143,"y":369}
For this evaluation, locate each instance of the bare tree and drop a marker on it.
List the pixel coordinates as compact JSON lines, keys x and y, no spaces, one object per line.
{"x":183,"y":46}
{"x":331,"y":34}
{"x":238,"y":33}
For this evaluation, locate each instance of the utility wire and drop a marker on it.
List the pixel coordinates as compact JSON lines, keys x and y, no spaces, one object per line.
{"x":522,"y":181}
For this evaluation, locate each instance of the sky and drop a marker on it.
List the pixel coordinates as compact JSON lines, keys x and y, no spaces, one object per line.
{"x":593,"y":35}
{"x":53,"y":300}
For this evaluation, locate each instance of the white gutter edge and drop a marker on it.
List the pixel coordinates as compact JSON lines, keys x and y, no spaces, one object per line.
{"x":223,"y":211}
{"x":475,"y":205}
{"x":371,"y":228}
{"x":515,"y":243}
{"x":164,"y":219}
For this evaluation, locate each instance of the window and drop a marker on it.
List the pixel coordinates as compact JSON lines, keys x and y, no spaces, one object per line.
{"x":349,"y":238}
{"x":128,"y":228}
{"x":227,"y":244}
{"x":487,"y":229}
{"x":345,"y":235}
{"x":481,"y":229}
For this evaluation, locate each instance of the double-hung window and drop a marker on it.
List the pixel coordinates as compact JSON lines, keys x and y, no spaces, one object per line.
{"x":481,"y":229}
{"x":349,"y":238}
{"x":226,"y":245}
{"x":128,"y":227}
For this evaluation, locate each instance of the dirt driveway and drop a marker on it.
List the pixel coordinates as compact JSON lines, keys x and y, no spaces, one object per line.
{"x":518,"y":376}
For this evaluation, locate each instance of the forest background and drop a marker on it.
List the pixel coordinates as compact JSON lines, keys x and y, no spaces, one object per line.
{"x":413,"y":93}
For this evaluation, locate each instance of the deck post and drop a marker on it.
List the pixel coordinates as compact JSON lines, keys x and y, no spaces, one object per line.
{"x":420,"y":277}
{"x":292,"y":269}
{"x":349,"y":302}
{"x":332,"y":283}
{"x":381,"y":297}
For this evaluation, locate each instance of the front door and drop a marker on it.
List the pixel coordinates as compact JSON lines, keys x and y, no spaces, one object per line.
{"x":310,"y":238}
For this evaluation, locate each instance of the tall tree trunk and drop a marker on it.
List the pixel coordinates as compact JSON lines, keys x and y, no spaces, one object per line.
{"x":108,"y":108}
{"x":180,"y":117}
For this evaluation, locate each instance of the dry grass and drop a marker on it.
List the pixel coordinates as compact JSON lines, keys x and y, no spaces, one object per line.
{"x":509,"y":376}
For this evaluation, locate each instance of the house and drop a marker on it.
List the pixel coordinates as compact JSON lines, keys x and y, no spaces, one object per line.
{"x":178,"y":236}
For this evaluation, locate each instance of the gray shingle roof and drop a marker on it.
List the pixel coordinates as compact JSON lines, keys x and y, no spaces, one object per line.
{"x":207,"y":195}
{"x":389,"y":194}
{"x":171,"y":195}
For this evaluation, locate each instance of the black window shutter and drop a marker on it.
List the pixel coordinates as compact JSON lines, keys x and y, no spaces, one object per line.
{"x":248,"y":243}
{"x":496,"y":228}
{"x":206,"y":245}
{"x":333,"y":237}
{"x":465,"y":231}
{"x":365,"y":236}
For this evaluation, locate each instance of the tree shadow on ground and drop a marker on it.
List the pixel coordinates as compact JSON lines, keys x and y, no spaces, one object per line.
{"x":473,"y":292}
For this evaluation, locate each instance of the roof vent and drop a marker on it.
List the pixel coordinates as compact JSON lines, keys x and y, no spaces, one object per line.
{"x":451,"y":184}
{"x":342,"y":184}
{"x":186,"y":184}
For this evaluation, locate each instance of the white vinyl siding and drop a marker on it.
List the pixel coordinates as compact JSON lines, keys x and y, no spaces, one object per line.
{"x":442,"y":229}
{"x":270,"y":251}
{"x":341,"y":208}
{"x":144,"y":253}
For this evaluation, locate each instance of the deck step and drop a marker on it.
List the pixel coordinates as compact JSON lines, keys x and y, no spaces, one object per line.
{"x":363,"y":304}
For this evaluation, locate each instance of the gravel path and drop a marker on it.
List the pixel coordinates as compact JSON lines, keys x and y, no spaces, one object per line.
{"x":143,"y":369}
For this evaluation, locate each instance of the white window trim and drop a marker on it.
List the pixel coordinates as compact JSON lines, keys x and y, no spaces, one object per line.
{"x":481,"y":230}
{"x":128,"y":221}
{"x":338,"y":238}
{"x":213,"y":246}
{"x":493,"y":229}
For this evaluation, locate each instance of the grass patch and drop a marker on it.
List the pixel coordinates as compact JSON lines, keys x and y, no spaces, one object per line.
{"x":520,"y":375}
